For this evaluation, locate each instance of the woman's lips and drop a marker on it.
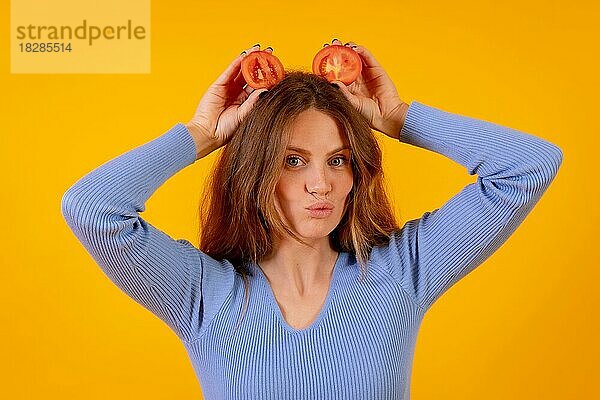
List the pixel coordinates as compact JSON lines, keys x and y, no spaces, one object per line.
{"x":320,"y":212}
{"x":320,"y":209}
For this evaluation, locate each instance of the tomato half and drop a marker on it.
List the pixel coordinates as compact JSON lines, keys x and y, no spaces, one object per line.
{"x":337,"y":63}
{"x":262,"y":69}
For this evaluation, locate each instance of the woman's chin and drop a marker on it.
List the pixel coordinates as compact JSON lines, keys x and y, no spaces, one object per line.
{"x":314,"y":233}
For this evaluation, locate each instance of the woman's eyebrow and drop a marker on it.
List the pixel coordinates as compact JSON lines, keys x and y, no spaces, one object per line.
{"x":304,"y":151}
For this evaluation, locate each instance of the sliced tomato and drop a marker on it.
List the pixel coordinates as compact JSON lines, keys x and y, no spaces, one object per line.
{"x":337,"y":63}
{"x":262,"y":69}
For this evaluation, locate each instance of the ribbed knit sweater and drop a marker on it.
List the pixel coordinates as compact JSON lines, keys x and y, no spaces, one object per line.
{"x":361,"y":344}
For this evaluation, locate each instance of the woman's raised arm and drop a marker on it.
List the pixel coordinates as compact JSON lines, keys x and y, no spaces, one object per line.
{"x":181,"y":285}
{"x":430,"y":254}
{"x":164,"y":275}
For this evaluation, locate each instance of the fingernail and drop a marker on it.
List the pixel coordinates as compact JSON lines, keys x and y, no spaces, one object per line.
{"x":262,"y":94}
{"x":355,"y":46}
{"x":269,"y":48}
{"x":257,"y":44}
{"x":334,"y":84}
{"x":333,"y":40}
{"x":346,"y":44}
{"x":243,"y":52}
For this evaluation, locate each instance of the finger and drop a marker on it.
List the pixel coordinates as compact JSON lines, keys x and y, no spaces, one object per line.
{"x":230,"y":72}
{"x":243,"y":86}
{"x":353,"y":99}
{"x":239,"y":80}
{"x":360,"y":103}
{"x":247,"y":105}
{"x":249,"y":89}
{"x":366,"y":54}
{"x":233,"y":69}
{"x":337,"y":42}
{"x":256,"y":47}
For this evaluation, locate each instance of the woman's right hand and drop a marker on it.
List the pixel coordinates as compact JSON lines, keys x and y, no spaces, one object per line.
{"x":224,"y":105}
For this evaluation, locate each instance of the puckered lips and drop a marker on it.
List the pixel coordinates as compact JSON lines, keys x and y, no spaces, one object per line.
{"x":321,"y":209}
{"x":321,"y":205}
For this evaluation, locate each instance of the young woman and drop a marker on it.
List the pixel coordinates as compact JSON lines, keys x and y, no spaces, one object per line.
{"x":304,"y":286}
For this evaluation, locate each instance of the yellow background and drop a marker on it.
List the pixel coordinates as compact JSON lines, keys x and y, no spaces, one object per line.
{"x":524,"y":325}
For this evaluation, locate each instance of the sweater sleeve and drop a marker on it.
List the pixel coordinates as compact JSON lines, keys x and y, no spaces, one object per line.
{"x":430,"y":254}
{"x":181,"y":285}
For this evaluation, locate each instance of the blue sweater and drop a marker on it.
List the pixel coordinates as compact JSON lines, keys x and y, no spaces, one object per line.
{"x":361,"y":345}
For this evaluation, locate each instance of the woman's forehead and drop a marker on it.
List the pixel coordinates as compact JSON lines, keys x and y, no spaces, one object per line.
{"x":314,"y":130}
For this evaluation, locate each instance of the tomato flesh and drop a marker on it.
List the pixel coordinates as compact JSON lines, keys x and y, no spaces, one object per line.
{"x":262,"y":69}
{"x":337,"y":63}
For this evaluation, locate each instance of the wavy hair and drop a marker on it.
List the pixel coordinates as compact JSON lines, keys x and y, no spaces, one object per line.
{"x":238,"y":218}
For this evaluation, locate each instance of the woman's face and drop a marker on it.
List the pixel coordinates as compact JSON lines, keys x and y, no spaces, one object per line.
{"x":316,"y":169}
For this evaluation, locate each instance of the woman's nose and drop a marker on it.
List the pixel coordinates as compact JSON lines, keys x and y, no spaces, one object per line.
{"x":318,"y":182}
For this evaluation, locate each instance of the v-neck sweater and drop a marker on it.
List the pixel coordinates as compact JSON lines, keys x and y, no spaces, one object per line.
{"x":361,"y":344}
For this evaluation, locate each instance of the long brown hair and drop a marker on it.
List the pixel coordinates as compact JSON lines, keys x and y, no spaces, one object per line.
{"x":238,"y":218}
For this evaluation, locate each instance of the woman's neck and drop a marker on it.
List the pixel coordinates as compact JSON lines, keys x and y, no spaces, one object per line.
{"x":295,"y":265}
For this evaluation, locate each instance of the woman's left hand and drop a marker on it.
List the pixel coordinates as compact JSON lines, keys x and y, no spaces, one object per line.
{"x":374,"y":95}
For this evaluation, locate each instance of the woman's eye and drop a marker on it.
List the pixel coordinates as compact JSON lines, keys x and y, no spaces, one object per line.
{"x":292,"y":158}
{"x":342,"y":158}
